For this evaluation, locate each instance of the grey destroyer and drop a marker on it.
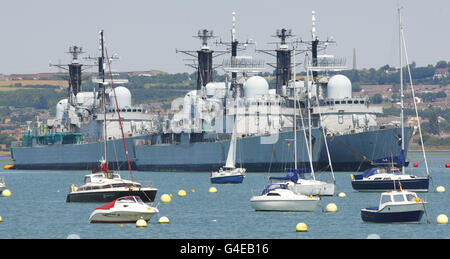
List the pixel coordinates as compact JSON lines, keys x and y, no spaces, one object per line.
{"x":196,"y":137}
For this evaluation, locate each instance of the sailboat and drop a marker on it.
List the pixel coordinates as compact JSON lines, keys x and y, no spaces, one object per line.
{"x":382,"y":178}
{"x":229,"y":173}
{"x":302,"y":185}
{"x":102,"y":185}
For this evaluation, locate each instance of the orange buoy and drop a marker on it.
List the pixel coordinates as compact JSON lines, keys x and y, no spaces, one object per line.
{"x":416,"y":164}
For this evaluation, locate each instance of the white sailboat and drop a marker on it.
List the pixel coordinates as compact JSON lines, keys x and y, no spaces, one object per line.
{"x":230,"y":173}
{"x":302,"y":185}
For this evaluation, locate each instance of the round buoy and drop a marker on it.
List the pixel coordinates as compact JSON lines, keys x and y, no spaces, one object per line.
{"x":440,"y":189}
{"x":301,"y":227}
{"x":331,"y":207}
{"x":442,"y":219}
{"x":447,"y":165}
{"x":342,"y":194}
{"x":121,"y":225}
{"x":165,"y":198}
{"x":181,"y":193}
{"x":1,"y":219}
{"x":141,"y":223}
{"x":212,"y":189}
{"x":6,"y":193}
{"x":193,"y":190}
{"x":416,"y":164}
{"x":163,"y":220}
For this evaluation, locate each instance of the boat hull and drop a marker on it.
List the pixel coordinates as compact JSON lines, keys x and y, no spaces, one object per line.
{"x":418,"y":184}
{"x":283,"y":205}
{"x":104,"y":216}
{"x":108,"y":196}
{"x":394,"y":214}
{"x":227,"y":179}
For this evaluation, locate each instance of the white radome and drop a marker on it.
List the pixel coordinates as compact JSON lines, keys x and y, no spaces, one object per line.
{"x":123,"y":98}
{"x":339,"y":87}
{"x":256,"y":86}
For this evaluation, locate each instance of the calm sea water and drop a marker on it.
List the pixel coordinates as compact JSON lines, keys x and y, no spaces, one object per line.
{"x":37,"y":208}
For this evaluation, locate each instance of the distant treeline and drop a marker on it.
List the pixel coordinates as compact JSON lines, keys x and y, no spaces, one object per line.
{"x":165,"y":87}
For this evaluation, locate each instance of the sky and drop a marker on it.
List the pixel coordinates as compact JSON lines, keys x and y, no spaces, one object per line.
{"x":145,"y":33}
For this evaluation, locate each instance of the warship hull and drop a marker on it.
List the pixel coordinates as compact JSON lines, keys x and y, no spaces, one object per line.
{"x":358,"y":151}
{"x":353,"y":152}
{"x":251,"y":153}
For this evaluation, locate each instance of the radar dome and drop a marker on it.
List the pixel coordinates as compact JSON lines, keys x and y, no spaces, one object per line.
{"x":339,"y":87}
{"x":123,"y":98}
{"x":256,"y":86}
{"x":60,"y":107}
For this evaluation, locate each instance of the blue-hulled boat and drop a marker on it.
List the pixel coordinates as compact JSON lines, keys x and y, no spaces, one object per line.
{"x":229,"y":173}
{"x":381,"y":179}
{"x":395,"y":207}
{"x":385,"y":178}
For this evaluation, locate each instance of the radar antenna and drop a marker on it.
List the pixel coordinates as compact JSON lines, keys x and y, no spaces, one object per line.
{"x":203,"y":58}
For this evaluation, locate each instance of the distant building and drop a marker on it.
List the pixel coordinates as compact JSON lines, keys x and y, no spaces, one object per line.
{"x":440,"y":73}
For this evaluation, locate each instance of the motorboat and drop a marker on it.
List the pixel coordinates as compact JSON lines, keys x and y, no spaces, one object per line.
{"x":279,"y":197}
{"x":126,"y":209}
{"x":395,"y":206}
{"x":385,"y":178}
{"x":106,"y":186}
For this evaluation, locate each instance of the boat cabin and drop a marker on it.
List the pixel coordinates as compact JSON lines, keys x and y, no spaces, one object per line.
{"x":397,"y":197}
{"x":93,"y":178}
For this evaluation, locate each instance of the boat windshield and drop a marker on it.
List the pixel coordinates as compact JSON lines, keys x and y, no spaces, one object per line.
{"x":385,"y":198}
{"x":411,"y":197}
{"x":131,"y":199}
{"x":399,"y":197}
{"x":127,"y":199}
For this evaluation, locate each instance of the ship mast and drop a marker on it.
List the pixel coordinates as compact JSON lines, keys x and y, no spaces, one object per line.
{"x":203,"y":59}
{"x":75,"y":69}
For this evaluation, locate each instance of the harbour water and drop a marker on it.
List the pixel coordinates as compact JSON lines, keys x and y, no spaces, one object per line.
{"x":37,"y":209}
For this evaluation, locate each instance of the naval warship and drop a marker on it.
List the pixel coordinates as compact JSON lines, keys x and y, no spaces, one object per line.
{"x":196,"y":136}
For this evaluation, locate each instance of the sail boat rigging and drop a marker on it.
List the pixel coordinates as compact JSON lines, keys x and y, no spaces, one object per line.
{"x":102,"y":185}
{"x":383,"y":178}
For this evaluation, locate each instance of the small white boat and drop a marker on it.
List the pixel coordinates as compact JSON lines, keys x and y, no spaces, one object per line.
{"x":126,"y":209}
{"x":279,"y":197}
{"x":395,"y":206}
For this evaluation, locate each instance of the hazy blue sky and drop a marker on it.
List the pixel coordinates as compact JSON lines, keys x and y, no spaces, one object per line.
{"x":146,"y":33}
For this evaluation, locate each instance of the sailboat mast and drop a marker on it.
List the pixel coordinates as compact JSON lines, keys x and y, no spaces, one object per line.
{"x":309,"y":117}
{"x":401,"y":86}
{"x":295,"y":118}
{"x":101,"y":72}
